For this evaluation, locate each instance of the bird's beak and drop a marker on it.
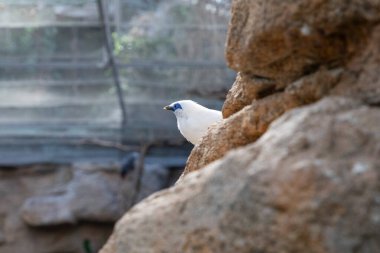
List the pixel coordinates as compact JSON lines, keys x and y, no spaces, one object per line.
{"x":168,"y":107}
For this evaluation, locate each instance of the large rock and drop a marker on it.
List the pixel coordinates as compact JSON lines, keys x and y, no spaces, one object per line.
{"x":311,"y":183}
{"x":247,"y":125}
{"x":295,"y":164}
{"x":95,"y":194}
{"x":284,"y":40}
{"x":92,"y":195}
{"x":254,"y":102}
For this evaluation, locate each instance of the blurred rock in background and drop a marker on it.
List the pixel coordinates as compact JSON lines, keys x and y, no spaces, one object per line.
{"x":60,"y":120}
{"x":49,"y":208}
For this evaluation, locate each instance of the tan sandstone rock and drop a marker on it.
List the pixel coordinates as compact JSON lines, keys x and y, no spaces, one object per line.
{"x":356,"y":77}
{"x":252,"y":121}
{"x":311,"y":183}
{"x":283,"y":40}
{"x":295,"y":165}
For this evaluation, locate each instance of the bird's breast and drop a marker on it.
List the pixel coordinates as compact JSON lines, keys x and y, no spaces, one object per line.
{"x":191,"y":129}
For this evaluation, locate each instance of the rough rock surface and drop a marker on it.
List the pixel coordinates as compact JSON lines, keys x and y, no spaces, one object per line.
{"x":252,"y":121}
{"x":283,"y":40}
{"x":295,"y":164}
{"x":310,"y":184}
{"x":254,"y":102}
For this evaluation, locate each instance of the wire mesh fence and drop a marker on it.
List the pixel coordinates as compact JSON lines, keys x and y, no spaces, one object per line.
{"x":56,"y":83}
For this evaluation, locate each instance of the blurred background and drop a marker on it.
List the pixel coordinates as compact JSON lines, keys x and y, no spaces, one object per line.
{"x":82,"y":85}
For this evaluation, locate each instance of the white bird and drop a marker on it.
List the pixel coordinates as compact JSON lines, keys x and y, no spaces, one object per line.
{"x":193,"y":120}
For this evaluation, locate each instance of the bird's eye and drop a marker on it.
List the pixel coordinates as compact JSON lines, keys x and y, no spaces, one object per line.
{"x":176,"y":106}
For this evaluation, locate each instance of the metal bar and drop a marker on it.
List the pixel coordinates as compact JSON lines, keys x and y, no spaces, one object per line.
{"x":45,"y":2}
{"x":174,"y":64}
{"x":101,"y":65}
{"x":48,"y":82}
{"x":139,"y":171}
{"x":40,"y":24}
{"x":91,"y":82}
{"x":51,"y":65}
{"x":214,"y":27}
{"x":103,"y":14}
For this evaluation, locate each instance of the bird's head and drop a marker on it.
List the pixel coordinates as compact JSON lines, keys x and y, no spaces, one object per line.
{"x":182,"y":108}
{"x":174,"y":107}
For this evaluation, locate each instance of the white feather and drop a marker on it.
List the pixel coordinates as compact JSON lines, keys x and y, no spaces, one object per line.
{"x":193,"y":120}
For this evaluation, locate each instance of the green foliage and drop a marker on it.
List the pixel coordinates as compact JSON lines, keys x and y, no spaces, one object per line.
{"x":130,"y":47}
{"x":29,"y":41}
{"x":159,"y":41}
{"x":182,"y":13}
{"x":87,"y":246}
